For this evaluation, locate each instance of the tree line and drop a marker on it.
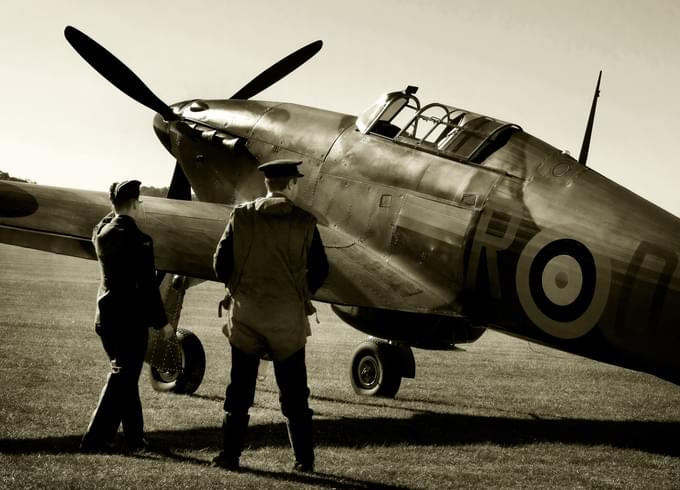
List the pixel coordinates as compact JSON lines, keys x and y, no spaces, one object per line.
{"x":144,"y":190}
{"x":7,"y":176}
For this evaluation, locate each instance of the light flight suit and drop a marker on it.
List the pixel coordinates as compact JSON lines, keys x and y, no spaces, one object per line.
{"x":272,"y":259}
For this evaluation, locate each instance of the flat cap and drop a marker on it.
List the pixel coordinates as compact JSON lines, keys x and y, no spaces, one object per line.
{"x":128,"y":189}
{"x":281,"y":168}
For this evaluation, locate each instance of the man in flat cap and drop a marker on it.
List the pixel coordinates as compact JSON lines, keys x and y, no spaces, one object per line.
{"x":128,"y":303}
{"x":272,"y":260}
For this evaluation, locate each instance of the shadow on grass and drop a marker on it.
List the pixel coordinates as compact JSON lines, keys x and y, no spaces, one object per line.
{"x":424,"y":429}
{"x":210,"y":398}
{"x":318,"y":479}
{"x":173,"y":445}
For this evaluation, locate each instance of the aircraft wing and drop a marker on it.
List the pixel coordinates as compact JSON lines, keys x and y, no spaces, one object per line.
{"x":185,"y":233}
{"x":61,"y":220}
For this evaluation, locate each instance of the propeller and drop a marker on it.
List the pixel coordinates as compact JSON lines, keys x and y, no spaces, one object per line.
{"x":116,"y":72}
{"x":278,"y":70}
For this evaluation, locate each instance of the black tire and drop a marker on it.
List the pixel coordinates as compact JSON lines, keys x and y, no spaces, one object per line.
{"x":374,"y":370}
{"x":188,"y":378}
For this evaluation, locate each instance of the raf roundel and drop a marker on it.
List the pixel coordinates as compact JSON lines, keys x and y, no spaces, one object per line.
{"x":562,"y":286}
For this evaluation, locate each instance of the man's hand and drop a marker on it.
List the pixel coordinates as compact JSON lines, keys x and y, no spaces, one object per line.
{"x":167,"y":332}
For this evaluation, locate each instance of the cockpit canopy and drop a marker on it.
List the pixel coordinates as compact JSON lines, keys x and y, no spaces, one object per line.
{"x":436,"y":128}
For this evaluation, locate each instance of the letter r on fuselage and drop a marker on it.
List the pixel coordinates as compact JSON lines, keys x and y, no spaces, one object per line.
{"x":495,"y":232}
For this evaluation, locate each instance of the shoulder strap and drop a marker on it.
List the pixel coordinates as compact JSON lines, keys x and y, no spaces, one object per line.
{"x":249,"y":210}
{"x":298,"y":247}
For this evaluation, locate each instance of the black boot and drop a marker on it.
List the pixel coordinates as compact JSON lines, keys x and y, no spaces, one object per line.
{"x":234,"y":429}
{"x":301,"y":435}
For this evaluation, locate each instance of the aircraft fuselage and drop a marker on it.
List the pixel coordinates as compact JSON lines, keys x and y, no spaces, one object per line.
{"x":529,"y":242}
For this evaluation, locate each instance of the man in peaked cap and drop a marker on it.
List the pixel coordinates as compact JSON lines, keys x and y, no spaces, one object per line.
{"x":272,"y":261}
{"x":128,"y":303}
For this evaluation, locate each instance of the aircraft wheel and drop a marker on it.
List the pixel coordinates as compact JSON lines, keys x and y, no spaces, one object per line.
{"x":189,"y":377}
{"x":375,"y":370}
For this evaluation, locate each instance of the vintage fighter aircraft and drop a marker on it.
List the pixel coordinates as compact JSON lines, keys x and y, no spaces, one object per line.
{"x":438,"y":222}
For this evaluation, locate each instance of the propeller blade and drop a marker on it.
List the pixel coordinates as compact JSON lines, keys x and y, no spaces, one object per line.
{"x":180,"y":188}
{"x":111,"y":68}
{"x":278,"y":70}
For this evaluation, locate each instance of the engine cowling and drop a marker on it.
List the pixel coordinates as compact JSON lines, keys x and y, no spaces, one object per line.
{"x":425,"y":331}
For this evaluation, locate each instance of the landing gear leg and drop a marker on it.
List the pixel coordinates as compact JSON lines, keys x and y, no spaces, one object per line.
{"x":178,"y":364}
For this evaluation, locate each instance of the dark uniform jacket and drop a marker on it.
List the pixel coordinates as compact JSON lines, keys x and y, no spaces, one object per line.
{"x":128,"y":300}
{"x":272,"y":260}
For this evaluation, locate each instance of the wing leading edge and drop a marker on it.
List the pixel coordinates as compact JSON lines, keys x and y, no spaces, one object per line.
{"x":60,"y":220}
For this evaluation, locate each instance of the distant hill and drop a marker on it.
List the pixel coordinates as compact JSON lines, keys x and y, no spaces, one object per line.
{"x":6,"y":176}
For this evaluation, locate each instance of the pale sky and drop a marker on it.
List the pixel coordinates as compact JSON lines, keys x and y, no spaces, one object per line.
{"x":531,"y":62}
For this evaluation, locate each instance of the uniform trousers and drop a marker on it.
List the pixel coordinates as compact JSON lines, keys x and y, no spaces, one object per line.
{"x":119,"y":400}
{"x":291,"y":378}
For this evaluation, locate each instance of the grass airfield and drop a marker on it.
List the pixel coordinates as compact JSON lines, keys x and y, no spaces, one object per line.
{"x":499,"y":413}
